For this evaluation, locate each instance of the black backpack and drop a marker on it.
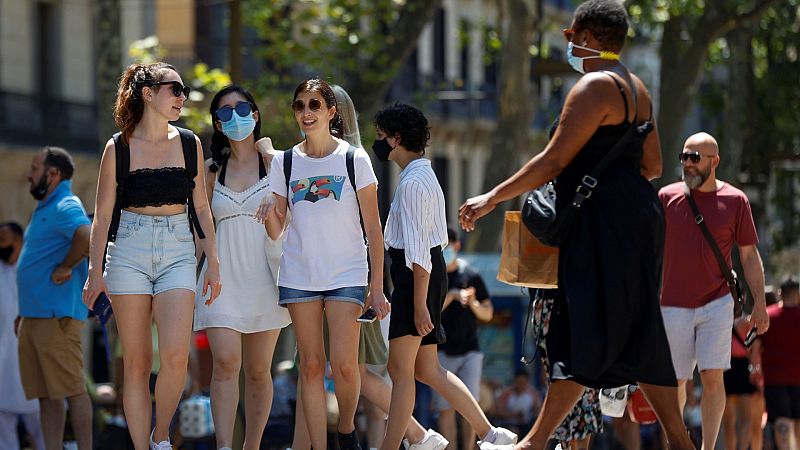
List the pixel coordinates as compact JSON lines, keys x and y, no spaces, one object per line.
{"x":123,"y":156}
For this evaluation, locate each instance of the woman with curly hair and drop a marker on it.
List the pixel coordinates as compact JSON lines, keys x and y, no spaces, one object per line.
{"x":150,"y":200}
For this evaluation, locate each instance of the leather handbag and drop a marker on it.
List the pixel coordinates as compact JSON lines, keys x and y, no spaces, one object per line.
{"x":539,"y":212}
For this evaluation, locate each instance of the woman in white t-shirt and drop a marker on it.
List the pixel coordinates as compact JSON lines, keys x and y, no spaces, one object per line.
{"x":324,"y":262}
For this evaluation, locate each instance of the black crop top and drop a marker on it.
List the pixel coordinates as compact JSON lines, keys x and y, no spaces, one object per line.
{"x":156,"y":187}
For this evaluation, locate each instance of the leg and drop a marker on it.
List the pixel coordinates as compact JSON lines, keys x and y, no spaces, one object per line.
{"x":307,"y":320}
{"x":745,"y":415}
{"x":258,"y":351}
{"x":172,"y":313}
{"x":402,"y":354}
{"x":34,"y":428}
{"x":467,"y":435}
{"x":301,"y":439}
{"x":8,"y":431}
{"x":379,"y":393}
{"x":447,"y":425}
{"x":729,"y":430}
{"x":133,"y":317}
{"x":226,"y":351}
{"x":470,"y":373}
{"x":581,"y":444}
{"x":664,"y":401}
{"x":559,"y":401}
{"x":757,"y":420}
{"x":52,"y":415}
{"x":712,"y":405}
{"x":429,"y":371}
{"x":682,"y":394}
{"x":344,"y":329}
{"x":80,"y":411}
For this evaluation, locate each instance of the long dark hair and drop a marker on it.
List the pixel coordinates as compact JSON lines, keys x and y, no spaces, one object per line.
{"x":219,"y":142}
{"x":129,"y":107}
{"x":317,"y":85}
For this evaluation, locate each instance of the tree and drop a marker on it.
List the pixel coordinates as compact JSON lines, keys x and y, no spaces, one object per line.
{"x":358,"y":44}
{"x":515,"y":112}
{"x":108,"y":51}
{"x":688,"y":29}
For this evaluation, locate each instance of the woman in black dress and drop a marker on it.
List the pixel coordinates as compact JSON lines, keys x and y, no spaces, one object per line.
{"x":606,"y":327}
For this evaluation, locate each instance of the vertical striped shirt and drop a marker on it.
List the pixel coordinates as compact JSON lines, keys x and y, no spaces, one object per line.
{"x":417,"y":221}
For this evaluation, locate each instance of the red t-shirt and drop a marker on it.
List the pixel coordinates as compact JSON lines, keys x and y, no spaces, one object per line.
{"x":780,"y":360}
{"x":692,"y":276}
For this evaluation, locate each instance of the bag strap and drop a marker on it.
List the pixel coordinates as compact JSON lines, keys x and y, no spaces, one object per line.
{"x":123,"y":163}
{"x":351,"y":174}
{"x":189,"y":145}
{"x":700,"y":221}
{"x":287,"y":172}
{"x":589,"y":181}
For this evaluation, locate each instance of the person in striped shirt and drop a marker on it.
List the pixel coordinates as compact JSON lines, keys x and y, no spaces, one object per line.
{"x":415,"y":233}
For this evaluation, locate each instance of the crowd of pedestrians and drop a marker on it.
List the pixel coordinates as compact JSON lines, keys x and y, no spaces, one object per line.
{"x":243,"y":244}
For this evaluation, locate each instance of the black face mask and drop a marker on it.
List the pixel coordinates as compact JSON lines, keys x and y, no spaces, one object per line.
{"x":382,"y":149}
{"x":39,"y":190}
{"x":5,"y":253}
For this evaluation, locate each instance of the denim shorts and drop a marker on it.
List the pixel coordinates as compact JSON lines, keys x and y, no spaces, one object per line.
{"x":352,"y":294}
{"x":152,"y":254}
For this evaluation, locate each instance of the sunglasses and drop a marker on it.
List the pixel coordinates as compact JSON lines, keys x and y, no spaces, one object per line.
{"x":569,"y":33}
{"x":177,"y":87}
{"x":313,"y":104}
{"x":694,"y":157}
{"x":243,"y":109}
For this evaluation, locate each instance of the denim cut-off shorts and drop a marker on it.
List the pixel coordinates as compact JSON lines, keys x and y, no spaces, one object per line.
{"x":351,"y":294}
{"x":152,"y":254}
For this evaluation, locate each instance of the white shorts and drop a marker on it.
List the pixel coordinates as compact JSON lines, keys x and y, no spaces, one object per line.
{"x":700,"y":336}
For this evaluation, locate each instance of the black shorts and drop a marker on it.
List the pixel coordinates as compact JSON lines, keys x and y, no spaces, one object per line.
{"x":782,"y":401}
{"x":402,"y":321}
{"x":737,"y":378}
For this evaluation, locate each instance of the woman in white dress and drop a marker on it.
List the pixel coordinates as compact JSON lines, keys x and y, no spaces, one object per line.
{"x":244,"y":322}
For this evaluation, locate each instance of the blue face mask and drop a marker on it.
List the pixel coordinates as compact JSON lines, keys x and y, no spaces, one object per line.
{"x":449,"y":255}
{"x":238,"y":127}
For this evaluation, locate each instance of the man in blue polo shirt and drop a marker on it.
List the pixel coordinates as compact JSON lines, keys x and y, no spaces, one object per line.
{"x":51,"y":271}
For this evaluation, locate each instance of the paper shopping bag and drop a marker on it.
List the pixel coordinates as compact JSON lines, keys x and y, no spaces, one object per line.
{"x":525,"y":261}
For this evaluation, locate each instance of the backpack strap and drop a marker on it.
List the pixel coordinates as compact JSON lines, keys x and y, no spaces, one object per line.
{"x":123,"y":163}
{"x":189,"y":145}
{"x":287,"y":172}
{"x":351,"y":175}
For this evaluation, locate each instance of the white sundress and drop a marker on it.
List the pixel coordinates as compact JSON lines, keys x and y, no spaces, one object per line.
{"x":248,"y":261}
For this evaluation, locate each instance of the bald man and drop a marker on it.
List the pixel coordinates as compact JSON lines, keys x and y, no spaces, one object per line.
{"x":696,"y":302}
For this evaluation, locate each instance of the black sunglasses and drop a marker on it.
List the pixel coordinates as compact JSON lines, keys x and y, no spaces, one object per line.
{"x":177,"y":87}
{"x":243,"y":109}
{"x":314,"y":105}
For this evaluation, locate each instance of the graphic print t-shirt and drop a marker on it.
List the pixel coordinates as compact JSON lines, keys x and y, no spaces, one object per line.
{"x":324,"y":246}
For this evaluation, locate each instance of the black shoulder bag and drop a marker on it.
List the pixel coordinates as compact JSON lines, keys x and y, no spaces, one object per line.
{"x":730,"y":275}
{"x":539,"y":209}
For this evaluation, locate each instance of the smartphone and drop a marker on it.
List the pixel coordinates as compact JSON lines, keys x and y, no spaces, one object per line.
{"x":750,"y":338}
{"x":369,"y":316}
{"x":102,"y":308}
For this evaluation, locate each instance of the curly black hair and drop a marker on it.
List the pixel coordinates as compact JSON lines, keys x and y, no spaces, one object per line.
{"x":407,"y":123}
{"x":606,"y":19}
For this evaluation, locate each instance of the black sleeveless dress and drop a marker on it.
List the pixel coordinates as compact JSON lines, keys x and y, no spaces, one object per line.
{"x":606,"y":328}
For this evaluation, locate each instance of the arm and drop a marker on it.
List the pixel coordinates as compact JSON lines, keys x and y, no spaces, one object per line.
{"x":210,"y":178}
{"x":77,"y":251}
{"x":422,"y":318}
{"x":272,"y":211}
{"x":368,"y":200}
{"x":586,"y":107}
{"x":452,"y":295}
{"x":103,"y":210}
{"x":209,"y":244}
{"x":483,"y":309}
{"x":754,"y":274}
{"x":651,"y":165}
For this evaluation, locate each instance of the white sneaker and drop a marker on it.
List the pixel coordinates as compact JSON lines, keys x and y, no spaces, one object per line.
{"x":484,"y":445}
{"x":501,"y":436}
{"x":163,"y":445}
{"x":431,"y":441}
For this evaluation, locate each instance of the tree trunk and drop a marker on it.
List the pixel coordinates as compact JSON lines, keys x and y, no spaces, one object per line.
{"x":235,"y":41}
{"x":735,"y":126}
{"x":108,"y":51}
{"x":515,"y":112}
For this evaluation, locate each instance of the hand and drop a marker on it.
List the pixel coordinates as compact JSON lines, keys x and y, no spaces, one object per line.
{"x":756,"y":377}
{"x":473,"y":209}
{"x":422,"y":320}
{"x":466,"y":296}
{"x":95,"y":284}
{"x":267,"y":207}
{"x":212,"y":280}
{"x":378,"y":302}
{"x":265,"y":148}
{"x":759,"y":318}
{"x":61,"y":274}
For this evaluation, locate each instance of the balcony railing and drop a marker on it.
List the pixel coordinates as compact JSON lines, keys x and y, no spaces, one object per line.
{"x":37,"y":120}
